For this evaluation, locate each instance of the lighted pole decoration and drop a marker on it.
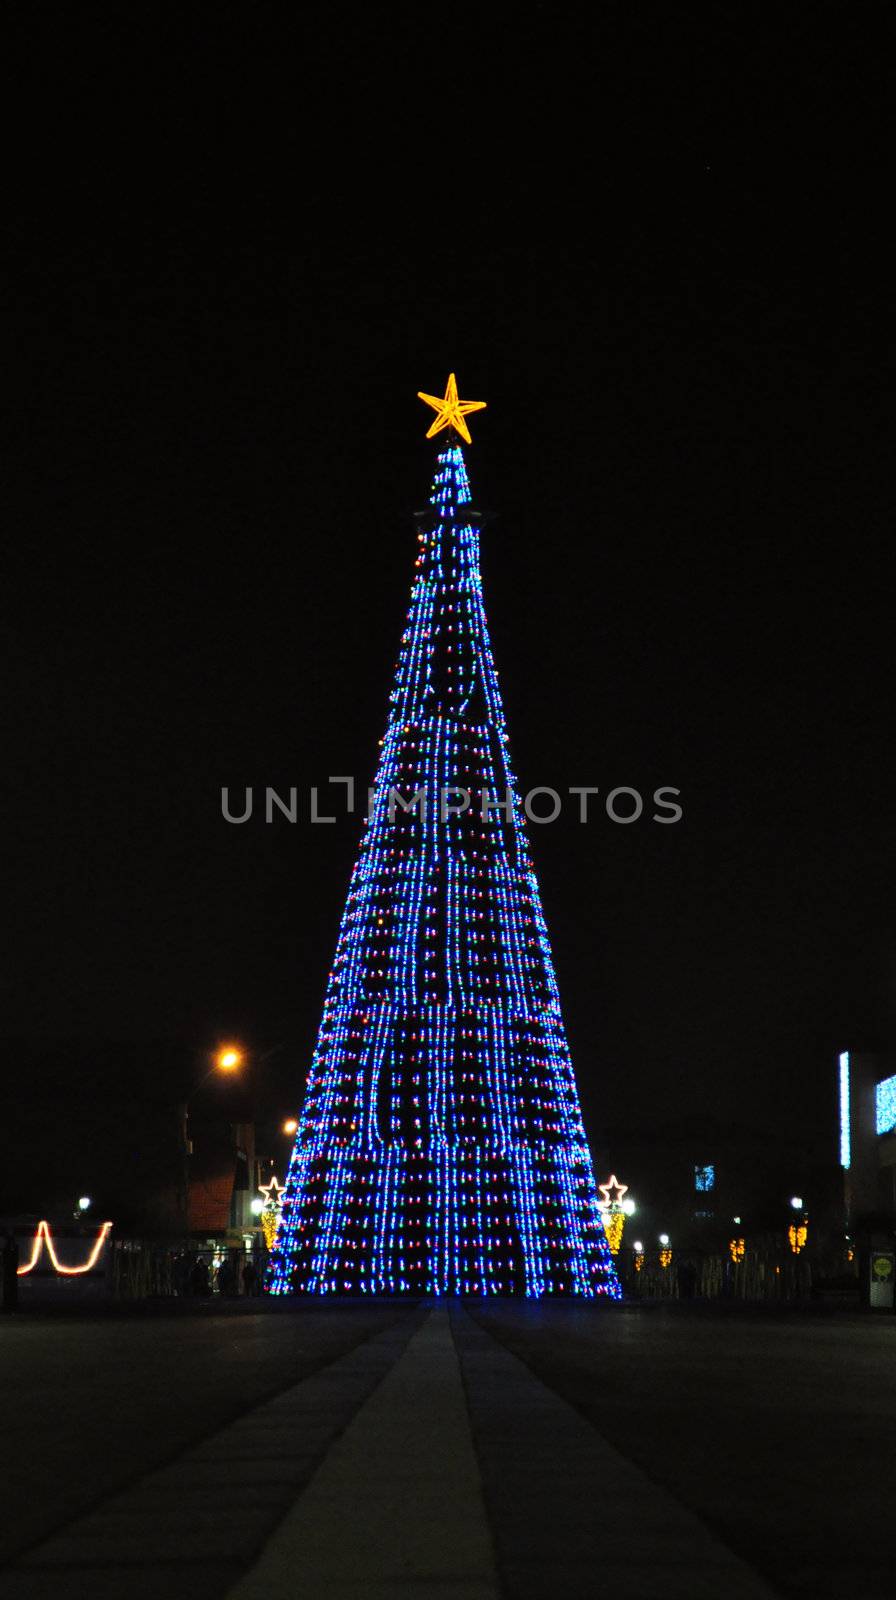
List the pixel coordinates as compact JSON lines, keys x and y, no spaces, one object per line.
{"x":440,"y":1146}
{"x":227,"y":1059}
{"x":269,"y":1214}
{"x":798,"y":1232}
{"x":614,"y":1209}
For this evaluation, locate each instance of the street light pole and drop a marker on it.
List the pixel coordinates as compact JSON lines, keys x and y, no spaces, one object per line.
{"x":227,"y":1059}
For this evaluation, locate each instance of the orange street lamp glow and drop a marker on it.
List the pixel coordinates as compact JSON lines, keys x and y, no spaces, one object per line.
{"x":290,"y":1125}
{"x":229,"y":1059}
{"x":449,"y":410}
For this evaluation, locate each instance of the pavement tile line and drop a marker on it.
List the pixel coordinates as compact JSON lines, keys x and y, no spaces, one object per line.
{"x":135,"y":1477}
{"x":571,"y":1516}
{"x":427,"y":1463}
{"x":396,"y":1510}
{"x":188,"y":1528}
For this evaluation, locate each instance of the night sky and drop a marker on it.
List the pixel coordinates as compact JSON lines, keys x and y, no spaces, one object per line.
{"x":655,"y":247}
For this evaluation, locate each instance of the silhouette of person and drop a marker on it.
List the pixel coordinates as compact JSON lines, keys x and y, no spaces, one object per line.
{"x":199,"y":1277}
{"x":10,"y":1272}
{"x":687,"y":1280}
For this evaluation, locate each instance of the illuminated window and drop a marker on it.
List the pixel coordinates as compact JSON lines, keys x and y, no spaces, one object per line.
{"x":885,"y":1105}
{"x":844,"y":1109}
{"x":704,"y":1179}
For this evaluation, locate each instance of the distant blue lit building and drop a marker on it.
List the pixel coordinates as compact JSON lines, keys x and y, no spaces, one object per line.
{"x":885,"y":1105}
{"x":866,"y":1098}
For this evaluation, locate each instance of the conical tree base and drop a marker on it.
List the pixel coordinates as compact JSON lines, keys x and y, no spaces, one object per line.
{"x":441,"y":1147}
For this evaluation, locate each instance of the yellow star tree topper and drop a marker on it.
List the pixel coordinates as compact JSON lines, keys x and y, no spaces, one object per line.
{"x":449,"y":410}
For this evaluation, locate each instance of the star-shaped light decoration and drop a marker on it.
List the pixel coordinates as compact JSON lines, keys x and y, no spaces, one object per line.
{"x":272,"y":1191}
{"x":450,"y":411}
{"x":615,"y":1199}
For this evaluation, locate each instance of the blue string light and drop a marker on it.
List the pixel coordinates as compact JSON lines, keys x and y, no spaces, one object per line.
{"x":441,"y":1148}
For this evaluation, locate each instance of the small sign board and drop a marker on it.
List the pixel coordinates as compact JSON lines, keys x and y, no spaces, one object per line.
{"x":882,"y":1284}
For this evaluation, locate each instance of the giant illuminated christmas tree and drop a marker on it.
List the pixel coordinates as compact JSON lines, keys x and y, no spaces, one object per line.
{"x":440,"y":1149}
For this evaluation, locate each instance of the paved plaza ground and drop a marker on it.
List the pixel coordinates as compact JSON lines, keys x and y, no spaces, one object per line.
{"x":455,"y":1451}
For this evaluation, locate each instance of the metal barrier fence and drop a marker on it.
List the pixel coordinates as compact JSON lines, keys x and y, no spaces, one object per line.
{"x":149,"y":1269}
{"x":142,"y":1269}
{"x":763,"y":1276}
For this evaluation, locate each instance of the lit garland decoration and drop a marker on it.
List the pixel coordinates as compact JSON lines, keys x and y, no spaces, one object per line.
{"x":612,"y":1214}
{"x":665,"y":1257}
{"x":737,"y":1249}
{"x":639,"y":1261}
{"x":441,"y":1148}
{"x":270,"y":1214}
{"x":44,"y":1239}
{"x":797,"y":1234}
